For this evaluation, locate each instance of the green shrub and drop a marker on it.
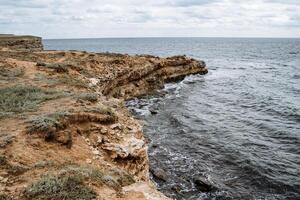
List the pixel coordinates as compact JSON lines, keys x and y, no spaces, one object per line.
{"x":59,"y":187}
{"x":101,"y":109}
{"x":46,"y":123}
{"x":92,"y":97}
{"x":18,"y":99}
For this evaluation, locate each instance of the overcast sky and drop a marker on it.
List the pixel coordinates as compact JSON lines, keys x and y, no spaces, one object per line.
{"x":151,"y":18}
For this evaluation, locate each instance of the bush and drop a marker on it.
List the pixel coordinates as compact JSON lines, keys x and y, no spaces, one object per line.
{"x":46,"y":123}
{"x":101,"y":109}
{"x":18,"y":99}
{"x":92,"y":97}
{"x":11,"y":73}
{"x":58,"y":67}
{"x":62,"y":187}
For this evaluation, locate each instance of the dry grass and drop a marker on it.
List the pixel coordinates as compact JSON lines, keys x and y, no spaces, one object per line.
{"x":58,"y":67}
{"x":102,"y":109}
{"x":46,"y":123}
{"x":18,"y":99}
{"x":92,"y":97}
{"x":11,"y":73}
{"x":59,"y":187}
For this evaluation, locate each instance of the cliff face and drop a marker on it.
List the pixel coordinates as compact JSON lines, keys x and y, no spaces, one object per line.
{"x":14,"y":42}
{"x":64,"y":129}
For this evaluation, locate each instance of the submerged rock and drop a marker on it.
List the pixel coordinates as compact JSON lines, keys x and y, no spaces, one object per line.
{"x":160,"y":174}
{"x":204,"y":185}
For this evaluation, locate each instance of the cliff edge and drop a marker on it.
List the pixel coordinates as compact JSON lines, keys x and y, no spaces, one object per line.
{"x":65,"y":132}
{"x":20,"y":42}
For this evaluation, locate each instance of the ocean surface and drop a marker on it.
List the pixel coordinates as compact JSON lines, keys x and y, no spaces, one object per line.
{"x":238,"y":127}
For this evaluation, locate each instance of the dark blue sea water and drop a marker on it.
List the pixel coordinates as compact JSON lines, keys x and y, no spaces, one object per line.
{"x":238,"y":126}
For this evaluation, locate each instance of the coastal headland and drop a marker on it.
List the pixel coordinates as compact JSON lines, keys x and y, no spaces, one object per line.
{"x":65,"y":132}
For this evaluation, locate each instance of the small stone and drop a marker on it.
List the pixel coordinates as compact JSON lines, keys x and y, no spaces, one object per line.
{"x":99,"y":139}
{"x":104,"y":130}
{"x":153,"y":112}
{"x":93,"y":82}
{"x":96,"y":152}
{"x":4,"y":180}
{"x":116,"y":126}
{"x":88,"y":161}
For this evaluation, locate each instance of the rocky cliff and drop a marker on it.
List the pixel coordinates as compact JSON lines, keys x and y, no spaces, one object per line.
{"x":65,"y":132}
{"x":30,"y":43}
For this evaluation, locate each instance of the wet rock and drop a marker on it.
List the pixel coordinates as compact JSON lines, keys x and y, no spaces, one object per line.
{"x":204,"y":185}
{"x":160,"y":174}
{"x":153,"y":112}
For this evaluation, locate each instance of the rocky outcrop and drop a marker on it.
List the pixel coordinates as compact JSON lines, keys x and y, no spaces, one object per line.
{"x":63,"y":122}
{"x":14,"y":42}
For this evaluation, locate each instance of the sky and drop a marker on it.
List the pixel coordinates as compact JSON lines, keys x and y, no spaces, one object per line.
{"x":151,"y":18}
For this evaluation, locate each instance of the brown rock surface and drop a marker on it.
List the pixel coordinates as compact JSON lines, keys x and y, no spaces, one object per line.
{"x":26,"y":42}
{"x":62,"y":114}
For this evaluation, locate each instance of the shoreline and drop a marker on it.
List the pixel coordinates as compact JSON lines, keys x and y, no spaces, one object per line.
{"x":72,"y":122}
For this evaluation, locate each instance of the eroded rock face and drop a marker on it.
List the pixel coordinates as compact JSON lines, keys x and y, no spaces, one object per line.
{"x":14,"y":42}
{"x":73,"y":114}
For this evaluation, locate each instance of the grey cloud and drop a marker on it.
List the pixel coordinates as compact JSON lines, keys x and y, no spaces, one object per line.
{"x":23,"y":3}
{"x":188,"y":3}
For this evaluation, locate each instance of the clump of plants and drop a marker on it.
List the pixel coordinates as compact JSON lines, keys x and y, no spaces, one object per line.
{"x":58,"y":67}
{"x":23,"y":98}
{"x":102,"y":109}
{"x":11,"y":73}
{"x":72,"y":81}
{"x":92,"y":97}
{"x":68,"y":187}
{"x":47,"y":124}
{"x":115,"y":178}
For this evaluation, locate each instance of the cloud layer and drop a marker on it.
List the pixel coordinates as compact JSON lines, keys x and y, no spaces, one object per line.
{"x":151,"y":18}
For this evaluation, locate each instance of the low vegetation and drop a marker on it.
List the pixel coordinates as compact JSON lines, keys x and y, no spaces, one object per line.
{"x":115,"y":178}
{"x":92,"y":97}
{"x":101,"y":109}
{"x":58,"y":67}
{"x":18,"y":99}
{"x":69,"y":183}
{"x":47,"y":123}
{"x":72,"y":81}
{"x":68,"y":187}
{"x":11,"y":73}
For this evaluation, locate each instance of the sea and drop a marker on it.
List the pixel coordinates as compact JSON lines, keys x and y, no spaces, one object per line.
{"x":237,"y":128}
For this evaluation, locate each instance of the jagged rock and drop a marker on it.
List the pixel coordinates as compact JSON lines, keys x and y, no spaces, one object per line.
{"x":21,"y":42}
{"x":104,"y":130}
{"x":204,"y":185}
{"x":93,"y":82}
{"x":117,"y":126}
{"x":129,"y":147}
{"x":159,"y":173}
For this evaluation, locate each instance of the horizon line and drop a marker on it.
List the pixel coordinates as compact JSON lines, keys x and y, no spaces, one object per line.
{"x":149,"y":37}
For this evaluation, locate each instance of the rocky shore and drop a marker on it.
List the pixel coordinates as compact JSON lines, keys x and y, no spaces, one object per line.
{"x":65,"y":132}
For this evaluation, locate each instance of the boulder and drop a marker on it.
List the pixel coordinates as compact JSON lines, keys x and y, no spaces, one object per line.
{"x":204,"y":185}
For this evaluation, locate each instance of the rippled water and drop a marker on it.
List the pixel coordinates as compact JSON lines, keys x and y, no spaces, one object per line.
{"x":238,"y":126}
